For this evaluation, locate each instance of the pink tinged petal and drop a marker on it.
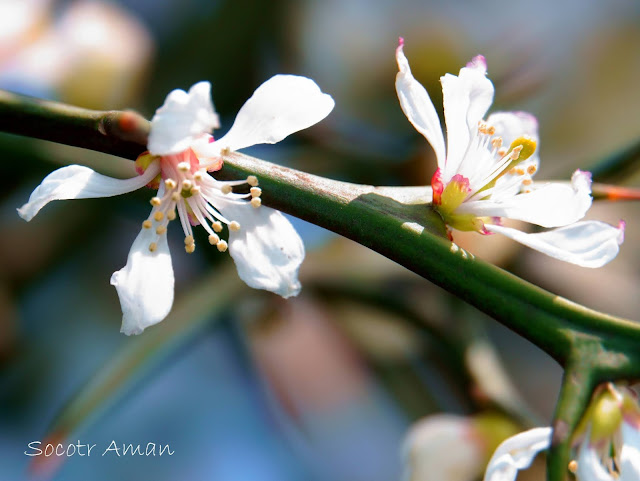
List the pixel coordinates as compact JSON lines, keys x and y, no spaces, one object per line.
{"x":630,"y":453}
{"x":78,"y":182}
{"x":589,"y":466}
{"x":145,"y":284}
{"x":551,"y":205}
{"x":417,"y":106}
{"x":267,"y":249}
{"x":437,"y":186}
{"x":516,"y":453}
{"x":182,"y":119}
{"x":466,"y":99}
{"x":282,"y":105}
{"x":587,"y":243}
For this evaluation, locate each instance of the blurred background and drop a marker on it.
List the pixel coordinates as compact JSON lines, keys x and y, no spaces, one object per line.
{"x":241,"y":384}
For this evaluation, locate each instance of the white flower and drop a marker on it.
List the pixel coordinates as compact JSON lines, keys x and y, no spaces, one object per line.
{"x":485,"y":175}
{"x":265,"y":247}
{"x":609,"y":451}
{"x":443,"y":447}
{"x":453,"y":447}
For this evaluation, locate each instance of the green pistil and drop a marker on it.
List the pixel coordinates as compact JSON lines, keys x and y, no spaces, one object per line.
{"x":453,"y":195}
{"x":605,"y":417}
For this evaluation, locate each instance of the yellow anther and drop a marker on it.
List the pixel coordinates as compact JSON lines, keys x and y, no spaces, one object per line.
{"x":256,"y":202}
{"x":573,"y":466}
{"x":226,"y":189}
{"x":252,"y":180}
{"x":171,"y":215}
{"x":152,"y":247}
{"x":188,"y":240}
{"x":159,"y":215}
{"x":496,"y":143}
{"x":225,"y":151}
{"x":491,"y":130}
{"x":531,"y":169}
{"x":170,"y":184}
{"x":195,"y":189}
{"x":155,"y":201}
{"x":482,"y":127}
{"x":255,"y":191}
{"x":190,"y":248}
{"x":222,"y":246}
{"x":198,"y":176}
{"x":526,"y":145}
{"x":519,"y":150}
{"x":175,"y":196}
{"x":213,"y":239}
{"x":161,"y":230}
{"x":146,"y":224}
{"x":216,"y":226}
{"x":235,"y":226}
{"x":527,"y":182}
{"x":183,"y":167}
{"x":187,"y":184}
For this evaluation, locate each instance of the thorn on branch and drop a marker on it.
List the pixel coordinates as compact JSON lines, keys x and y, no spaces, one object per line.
{"x":128,"y":125}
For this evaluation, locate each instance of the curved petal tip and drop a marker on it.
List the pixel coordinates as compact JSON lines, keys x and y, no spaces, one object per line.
{"x":478,"y":62}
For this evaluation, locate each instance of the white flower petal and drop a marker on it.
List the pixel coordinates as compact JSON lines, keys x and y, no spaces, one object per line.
{"x":417,"y":106}
{"x":630,"y":453}
{"x":586,"y":243}
{"x":267,"y":249}
{"x":515,"y":453}
{"x":145,"y":284}
{"x":78,"y":182}
{"x":182,"y":119}
{"x":550,"y":205}
{"x":443,"y":447}
{"x":466,"y":99}
{"x":589,"y":466}
{"x":282,"y":105}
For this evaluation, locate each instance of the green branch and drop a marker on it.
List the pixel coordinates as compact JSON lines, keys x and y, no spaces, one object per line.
{"x":381,"y":218}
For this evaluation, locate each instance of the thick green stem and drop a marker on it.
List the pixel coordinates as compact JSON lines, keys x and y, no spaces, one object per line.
{"x":577,"y":386}
{"x":114,"y":132}
{"x":412,"y":235}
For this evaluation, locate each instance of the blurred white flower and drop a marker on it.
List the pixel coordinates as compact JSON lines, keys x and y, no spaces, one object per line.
{"x":265,"y":247}
{"x":95,"y":54}
{"x":451,"y":447}
{"x":485,"y":173}
{"x":443,"y":446}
